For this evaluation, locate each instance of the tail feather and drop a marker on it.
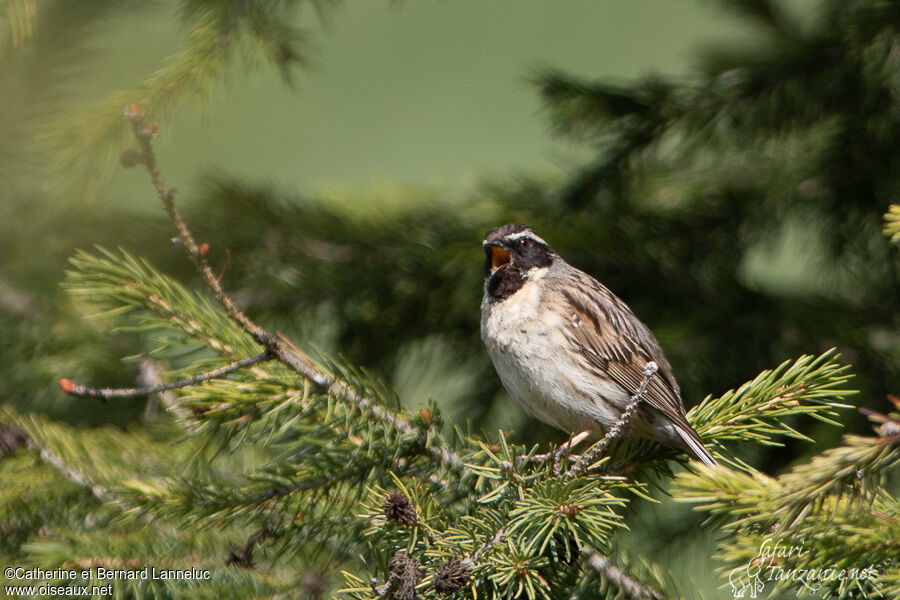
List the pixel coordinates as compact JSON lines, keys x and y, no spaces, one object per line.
{"x":694,"y":446}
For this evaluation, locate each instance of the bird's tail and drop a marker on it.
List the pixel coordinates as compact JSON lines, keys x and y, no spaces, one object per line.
{"x":694,"y":446}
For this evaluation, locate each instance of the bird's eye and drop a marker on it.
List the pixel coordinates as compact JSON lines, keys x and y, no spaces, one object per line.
{"x":525,"y":242}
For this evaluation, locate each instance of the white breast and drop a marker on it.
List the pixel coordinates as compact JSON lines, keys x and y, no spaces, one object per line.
{"x":526,"y":343}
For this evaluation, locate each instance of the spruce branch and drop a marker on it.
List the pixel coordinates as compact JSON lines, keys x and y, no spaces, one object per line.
{"x":781,"y":502}
{"x":809,"y":385}
{"x":498,"y":535}
{"x":633,"y":589}
{"x":74,"y":389}
{"x":70,"y":473}
{"x":835,"y":509}
{"x":275,"y":347}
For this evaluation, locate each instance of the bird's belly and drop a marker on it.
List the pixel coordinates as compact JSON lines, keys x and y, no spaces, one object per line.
{"x":529,"y":353}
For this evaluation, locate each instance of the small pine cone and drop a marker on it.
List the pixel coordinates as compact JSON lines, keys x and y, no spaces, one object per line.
{"x":408,"y":573}
{"x":399,"y":509}
{"x":451,"y":576}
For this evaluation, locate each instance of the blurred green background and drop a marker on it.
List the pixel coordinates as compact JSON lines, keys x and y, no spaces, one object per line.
{"x":428,"y":93}
{"x":734,"y":201}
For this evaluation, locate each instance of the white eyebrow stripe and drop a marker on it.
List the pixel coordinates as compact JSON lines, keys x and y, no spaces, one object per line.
{"x":526,"y":234}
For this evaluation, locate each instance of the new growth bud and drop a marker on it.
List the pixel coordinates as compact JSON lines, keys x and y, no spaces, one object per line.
{"x":149,"y":130}
{"x":132,"y":112}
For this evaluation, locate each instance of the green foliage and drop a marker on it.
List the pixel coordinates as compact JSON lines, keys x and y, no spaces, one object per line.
{"x":276,"y":485}
{"x":835,"y":511}
{"x":268,"y":453}
{"x":892,"y":222}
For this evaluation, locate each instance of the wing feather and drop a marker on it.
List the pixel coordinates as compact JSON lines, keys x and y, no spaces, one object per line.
{"x":607,"y":337}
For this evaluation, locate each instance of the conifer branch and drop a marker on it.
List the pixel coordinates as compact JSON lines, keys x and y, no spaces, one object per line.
{"x":97,"y":490}
{"x":473,"y":560}
{"x":74,"y":389}
{"x":632,"y":589}
{"x":287,"y":354}
{"x":585,"y":459}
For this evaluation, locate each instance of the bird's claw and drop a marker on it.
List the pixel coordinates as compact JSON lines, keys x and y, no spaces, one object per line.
{"x":555,"y":455}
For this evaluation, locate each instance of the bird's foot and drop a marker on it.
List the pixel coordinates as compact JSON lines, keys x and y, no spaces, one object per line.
{"x":554,"y":455}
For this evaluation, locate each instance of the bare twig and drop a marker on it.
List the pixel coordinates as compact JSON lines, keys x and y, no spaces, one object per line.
{"x":104,"y":394}
{"x":290,"y":357}
{"x":585,"y":459}
{"x":613,"y":574}
{"x":225,"y":266}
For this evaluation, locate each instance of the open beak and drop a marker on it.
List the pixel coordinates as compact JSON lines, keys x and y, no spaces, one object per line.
{"x":499,"y":256}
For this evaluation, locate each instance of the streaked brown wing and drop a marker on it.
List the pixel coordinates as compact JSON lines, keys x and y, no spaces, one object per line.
{"x":610,"y":339}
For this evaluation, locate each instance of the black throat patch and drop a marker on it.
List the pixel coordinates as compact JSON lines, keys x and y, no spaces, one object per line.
{"x":505,"y":282}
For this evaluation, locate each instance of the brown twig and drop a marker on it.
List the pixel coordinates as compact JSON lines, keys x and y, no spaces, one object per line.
{"x":74,"y":389}
{"x":585,"y":459}
{"x":243,"y":556}
{"x":225,"y":266}
{"x":145,"y":132}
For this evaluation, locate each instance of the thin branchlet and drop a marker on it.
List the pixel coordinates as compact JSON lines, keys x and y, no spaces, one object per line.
{"x":276,"y":348}
{"x":75,"y":389}
{"x":286,"y":353}
{"x":70,"y":473}
{"x":631,"y":588}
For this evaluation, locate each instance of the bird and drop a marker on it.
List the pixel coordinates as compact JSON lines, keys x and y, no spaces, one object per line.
{"x":569,"y":351}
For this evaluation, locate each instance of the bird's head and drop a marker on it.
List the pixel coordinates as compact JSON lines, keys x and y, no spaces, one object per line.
{"x":515,"y":247}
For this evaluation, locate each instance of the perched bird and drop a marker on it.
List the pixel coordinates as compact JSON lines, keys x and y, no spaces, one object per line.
{"x":569,"y":351}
